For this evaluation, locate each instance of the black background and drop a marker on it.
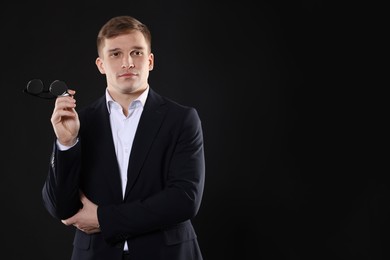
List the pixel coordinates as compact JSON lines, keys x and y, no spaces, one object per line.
{"x":288,"y":174}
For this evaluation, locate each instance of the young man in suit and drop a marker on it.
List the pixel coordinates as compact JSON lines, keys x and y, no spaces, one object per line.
{"x":128,"y":170}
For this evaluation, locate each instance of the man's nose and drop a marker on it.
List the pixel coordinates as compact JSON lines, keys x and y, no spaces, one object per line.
{"x":127,"y":63}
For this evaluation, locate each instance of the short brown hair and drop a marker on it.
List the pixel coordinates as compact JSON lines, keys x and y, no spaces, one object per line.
{"x":122,"y":25}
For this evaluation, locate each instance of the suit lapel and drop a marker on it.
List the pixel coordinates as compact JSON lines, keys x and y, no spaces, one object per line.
{"x":148,"y":127}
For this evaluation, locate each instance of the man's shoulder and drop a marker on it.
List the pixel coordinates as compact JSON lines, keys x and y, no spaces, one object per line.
{"x":96,"y":105}
{"x":167,"y":101}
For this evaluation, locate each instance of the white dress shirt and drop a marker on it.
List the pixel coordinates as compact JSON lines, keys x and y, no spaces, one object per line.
{"x":123,"y":131}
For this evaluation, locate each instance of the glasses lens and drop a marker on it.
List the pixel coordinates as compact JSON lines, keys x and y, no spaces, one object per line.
{"x":35,"y":86}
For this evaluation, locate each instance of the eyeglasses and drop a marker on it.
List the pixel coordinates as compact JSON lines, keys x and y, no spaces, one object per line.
{"x":57,"y":88}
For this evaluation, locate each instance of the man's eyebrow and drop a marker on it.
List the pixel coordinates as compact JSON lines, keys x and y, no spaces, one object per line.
{"x":138,"y":48}
{"x":118,"y":49}
{"x":113,"y":50}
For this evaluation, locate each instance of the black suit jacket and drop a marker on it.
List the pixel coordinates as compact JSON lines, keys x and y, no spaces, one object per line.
{"x":164,"y":190}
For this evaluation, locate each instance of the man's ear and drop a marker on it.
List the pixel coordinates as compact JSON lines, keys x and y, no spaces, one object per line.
{"x":151,"y":61}
{"x":100,"y":65}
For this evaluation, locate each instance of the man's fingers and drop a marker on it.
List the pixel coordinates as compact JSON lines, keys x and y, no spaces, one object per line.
{"x":68,"y":221}
{"x":91,"y":231}
{"x":83,"y":198}
{"x":65,"y":103}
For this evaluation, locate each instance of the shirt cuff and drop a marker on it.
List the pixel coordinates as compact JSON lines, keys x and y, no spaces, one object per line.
{"x":62,"y":147}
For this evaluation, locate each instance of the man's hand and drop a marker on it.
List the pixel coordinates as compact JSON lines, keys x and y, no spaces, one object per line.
{"x":86,"y":219}
{"x":65,"y":120}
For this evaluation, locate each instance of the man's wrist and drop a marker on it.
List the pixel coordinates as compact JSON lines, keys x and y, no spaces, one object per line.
{"x":63,"y":147}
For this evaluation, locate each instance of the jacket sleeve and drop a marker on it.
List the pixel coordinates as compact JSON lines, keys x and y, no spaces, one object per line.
{"x":60,"y":191}
{"x":177,"y":202}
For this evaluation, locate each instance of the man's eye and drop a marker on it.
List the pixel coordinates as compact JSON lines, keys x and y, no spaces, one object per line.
{"x":136,"y":53}
{"x":115,"y":54}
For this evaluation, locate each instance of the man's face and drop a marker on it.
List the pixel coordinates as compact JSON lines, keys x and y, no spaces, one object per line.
{"x":126,"y":61}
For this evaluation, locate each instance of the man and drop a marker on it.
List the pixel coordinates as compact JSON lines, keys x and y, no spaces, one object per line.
{"x":128,"y":170}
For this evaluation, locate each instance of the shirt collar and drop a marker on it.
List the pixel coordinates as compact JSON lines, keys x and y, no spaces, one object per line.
{"x":140,"y":99}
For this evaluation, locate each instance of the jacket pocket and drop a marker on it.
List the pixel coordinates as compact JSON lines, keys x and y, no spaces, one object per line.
{"x":179,"y":233}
